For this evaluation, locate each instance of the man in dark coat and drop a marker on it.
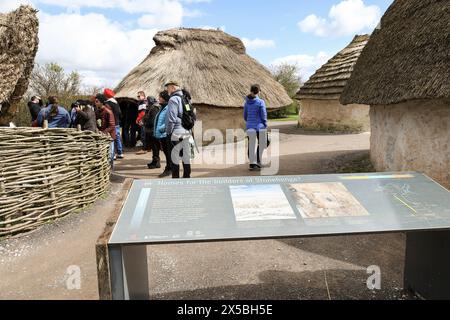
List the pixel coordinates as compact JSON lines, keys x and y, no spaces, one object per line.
{"x":108,"y":124}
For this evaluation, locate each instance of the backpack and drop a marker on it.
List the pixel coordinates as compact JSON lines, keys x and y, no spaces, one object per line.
{"x":188,"y":117}
{"x":151,"y":112}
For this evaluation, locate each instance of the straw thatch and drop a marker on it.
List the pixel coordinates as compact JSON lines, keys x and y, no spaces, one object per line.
{"x":407,"y":58}
{"x":329,"y":81}
{"x":46,"y":174}
{"x":211,"y":64}
{"x":18,"y":47}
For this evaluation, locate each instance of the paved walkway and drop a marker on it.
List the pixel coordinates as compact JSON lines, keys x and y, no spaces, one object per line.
{"x":35,"y":266}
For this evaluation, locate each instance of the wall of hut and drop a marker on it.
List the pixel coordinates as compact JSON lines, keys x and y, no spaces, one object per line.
{"x":414,"y":135}
{"x":220,"y":118}
{"x":330,"y":114}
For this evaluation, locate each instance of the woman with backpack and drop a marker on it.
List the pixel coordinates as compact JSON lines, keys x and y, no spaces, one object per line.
{"x":178,"y":130}
{"x":57,"y":116}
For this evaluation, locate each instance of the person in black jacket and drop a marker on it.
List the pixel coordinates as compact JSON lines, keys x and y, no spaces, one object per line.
{"x":149,"y":124}
{"x":35,"y":105}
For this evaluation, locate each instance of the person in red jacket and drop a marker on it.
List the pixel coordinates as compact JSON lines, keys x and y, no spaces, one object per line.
{"x":108,"y":124}
{"x":140,"y":122}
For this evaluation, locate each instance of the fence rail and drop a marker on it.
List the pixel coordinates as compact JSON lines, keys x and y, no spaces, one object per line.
{"x":46,"y":174}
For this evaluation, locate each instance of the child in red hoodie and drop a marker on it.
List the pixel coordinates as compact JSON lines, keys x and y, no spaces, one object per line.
{"x":141,"y":115}
{"x":140,"y":122}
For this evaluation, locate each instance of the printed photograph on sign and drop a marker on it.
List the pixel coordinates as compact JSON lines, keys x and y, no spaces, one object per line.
{"x":325,"y":200}
{"x":260,"y":202}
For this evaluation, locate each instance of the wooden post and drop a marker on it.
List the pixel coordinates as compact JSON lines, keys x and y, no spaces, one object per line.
{"x":50,"y":182}
{"x":3,"y":195}
{"x":101,"y":248}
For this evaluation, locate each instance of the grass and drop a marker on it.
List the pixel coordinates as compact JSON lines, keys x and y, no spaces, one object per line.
{"x":333,"y":128}
{"x":292,"y":117}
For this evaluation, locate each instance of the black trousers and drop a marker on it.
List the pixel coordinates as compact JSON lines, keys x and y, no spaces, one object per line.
{"x":187,"y":170}
{"x":155,"y":145}
{"x":167,"y":150}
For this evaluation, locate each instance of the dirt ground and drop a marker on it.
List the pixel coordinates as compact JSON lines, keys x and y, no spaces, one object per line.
{"x":35,"y":266}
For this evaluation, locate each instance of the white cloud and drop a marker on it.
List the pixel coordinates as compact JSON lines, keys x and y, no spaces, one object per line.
{"x":196,"y":1}
{"x":169,"y":14}
{"x":346,"y":18}
{"x":101,"y":50}
{"x":253,"y":44}
{"x":154,"y":13}
{"x":308,"y":64}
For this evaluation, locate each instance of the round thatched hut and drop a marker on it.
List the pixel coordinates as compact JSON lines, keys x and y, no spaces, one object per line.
{"x":319,"y":96}
{"x":404,"y":75}
{"x":213,"y":66}
{"x":18,"y":47}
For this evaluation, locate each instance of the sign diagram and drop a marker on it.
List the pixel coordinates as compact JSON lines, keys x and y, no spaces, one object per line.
{"x":321,"y":200}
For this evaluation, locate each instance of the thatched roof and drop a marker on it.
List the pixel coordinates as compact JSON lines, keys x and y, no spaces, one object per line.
{"x":407,"y":58}
{"x":18,"y":47}
{"x":211,"y":64}
{"x":329,"y":81}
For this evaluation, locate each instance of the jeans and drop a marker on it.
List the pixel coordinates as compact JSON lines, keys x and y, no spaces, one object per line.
{"x":118,"y":142}
{"x":143,"y":140}
{"x":111,"y":152}
{"x":181,"y":150}
{"x":255,"y":139}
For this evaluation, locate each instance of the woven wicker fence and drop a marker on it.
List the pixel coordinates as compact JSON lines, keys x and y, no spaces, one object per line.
{"x":46,"y":174}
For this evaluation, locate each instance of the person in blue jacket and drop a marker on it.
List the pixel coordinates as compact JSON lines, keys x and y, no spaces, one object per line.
{"x":57,"y":116}
{"x":255,"y":116}
{"x":161,"y":134}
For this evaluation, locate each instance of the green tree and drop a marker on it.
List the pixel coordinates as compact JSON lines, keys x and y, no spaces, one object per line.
{"x":288,"y":75}
{"x":51,"y":79}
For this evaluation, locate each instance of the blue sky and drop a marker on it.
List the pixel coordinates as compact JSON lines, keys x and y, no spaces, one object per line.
{"x":104,"y":39}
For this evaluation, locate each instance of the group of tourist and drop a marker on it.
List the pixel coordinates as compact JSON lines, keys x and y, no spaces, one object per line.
{"x":162,"y":124}
{"x":159,"y":120}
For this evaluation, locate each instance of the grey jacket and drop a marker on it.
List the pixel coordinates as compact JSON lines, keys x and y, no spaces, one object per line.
{"x":174,"y":127}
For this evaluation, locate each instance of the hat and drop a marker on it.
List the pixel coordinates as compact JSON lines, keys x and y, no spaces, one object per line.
{"x":108,"y":93}
{"x":172,"y":82}
{"x":142,"y":107}
{"x":151,"y":101}
{"x":101,"y":97}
